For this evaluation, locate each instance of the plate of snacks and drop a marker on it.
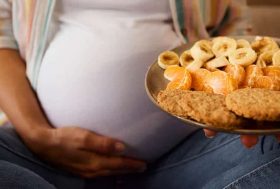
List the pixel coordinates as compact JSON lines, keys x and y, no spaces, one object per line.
{"x":227,"y":84}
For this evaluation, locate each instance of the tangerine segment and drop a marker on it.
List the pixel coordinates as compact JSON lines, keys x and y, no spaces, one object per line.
{"x":221,"y":82}
{"x":174,"y":72}
{"x":237,"y":72}
{"x":267,"y":82}
{"x":232,"y":84}
{"x":252,"y":72}
{"x":272,"y":71}
{"x":198,"y":79}
{"x":173,"y":85}
{"x":181,"y":83}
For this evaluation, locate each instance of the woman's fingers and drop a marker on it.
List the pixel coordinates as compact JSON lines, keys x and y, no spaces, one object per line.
{"x":121,"y":163}
{"x":101,"y":144}
{"x":83,"y":139}
{"x":103,"y":173}
{"x":249,"y":140}
{"x":209,"y":133}
{"x":90,"y":165}
{"x":88,"y":154}
{"x":105,"y":166}
{"x":93,"y":162}
{"x":278,"y":137}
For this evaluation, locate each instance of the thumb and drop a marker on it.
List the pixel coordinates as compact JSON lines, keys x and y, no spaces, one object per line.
{"x":249,"y":140}
{"x":101,"y":144}
{"x":209,"y":133}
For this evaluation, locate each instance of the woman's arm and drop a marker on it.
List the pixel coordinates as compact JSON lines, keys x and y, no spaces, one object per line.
{"x":194,"y":20}
{"x":17,"y":99}
{"x":77,"y":150}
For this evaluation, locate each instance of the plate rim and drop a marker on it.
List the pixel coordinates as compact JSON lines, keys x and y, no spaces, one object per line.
{"x":190,"y":122}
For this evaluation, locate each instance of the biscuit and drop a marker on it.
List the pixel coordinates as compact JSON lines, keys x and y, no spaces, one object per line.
{"x":200,"y":106}
{"x":257,"y":104}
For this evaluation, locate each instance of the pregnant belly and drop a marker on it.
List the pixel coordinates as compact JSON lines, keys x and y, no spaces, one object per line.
{"x":87,"y":83}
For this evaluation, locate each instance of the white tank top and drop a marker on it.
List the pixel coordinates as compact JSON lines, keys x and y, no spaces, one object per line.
{"x":93,"y":71}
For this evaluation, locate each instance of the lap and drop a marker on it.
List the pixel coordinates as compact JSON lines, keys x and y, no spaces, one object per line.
{"x":196,"y":163}
{"x":13,"y":150}
{"x":13,"y":176}
{"x":213,"y":163}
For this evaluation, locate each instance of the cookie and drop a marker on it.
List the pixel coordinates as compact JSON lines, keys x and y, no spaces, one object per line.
{"x":199,"y":106}
{"x":257,"y":104}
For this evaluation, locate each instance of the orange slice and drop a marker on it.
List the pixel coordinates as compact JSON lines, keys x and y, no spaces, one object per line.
{"x":221,"y":83}
{"x":198,"y":79}
{"x":181,"y":83}
{"x":174,"y":72}
{"x":237,"y":72}
{"x":252,"y":72}
{"x":273,"y":71}
{"x":173,"y":85}
{"x":267,"y":82}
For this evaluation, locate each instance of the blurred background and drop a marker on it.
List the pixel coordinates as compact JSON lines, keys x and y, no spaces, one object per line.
{"x":265,"y":16}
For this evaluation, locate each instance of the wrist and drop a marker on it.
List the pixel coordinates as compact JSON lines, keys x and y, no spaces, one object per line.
{"x":38,"y":138}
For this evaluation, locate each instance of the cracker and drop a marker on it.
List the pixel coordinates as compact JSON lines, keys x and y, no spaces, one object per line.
{"x":257,"y":104}
{"x":199,"y":106}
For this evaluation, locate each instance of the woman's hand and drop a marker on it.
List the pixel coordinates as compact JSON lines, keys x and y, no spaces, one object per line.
{"x":247,"y":140}
{"x":82,"y":152}
{"x":77,"y":150}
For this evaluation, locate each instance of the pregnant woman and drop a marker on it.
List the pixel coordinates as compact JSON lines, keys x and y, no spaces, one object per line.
{"x":92,"y":73}
{"x":72,"y":84}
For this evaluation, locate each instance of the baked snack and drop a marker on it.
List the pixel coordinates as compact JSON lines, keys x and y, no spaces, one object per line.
{"x":200,"y":106}
{"x":215,"y":69}
{"x":231,"y":64}
{"x":258,"y":104}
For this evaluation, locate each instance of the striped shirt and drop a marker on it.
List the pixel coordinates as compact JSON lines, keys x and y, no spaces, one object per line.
{"x":24,"y":25}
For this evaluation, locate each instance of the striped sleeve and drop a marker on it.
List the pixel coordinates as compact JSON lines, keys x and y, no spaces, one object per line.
{"x":198,"y":19}
{"x":7,"y":39}
{"x":236,"y":20}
